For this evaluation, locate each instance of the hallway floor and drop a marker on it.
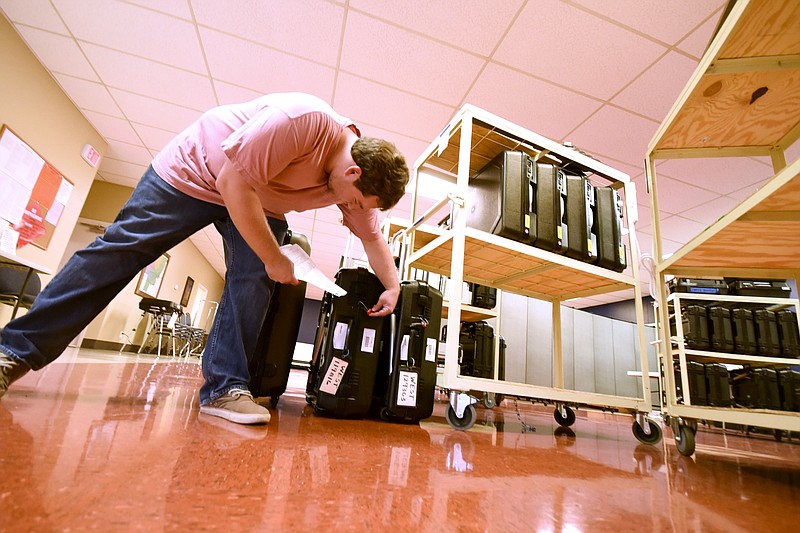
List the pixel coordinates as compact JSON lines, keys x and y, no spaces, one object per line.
{"x":103,"y":442}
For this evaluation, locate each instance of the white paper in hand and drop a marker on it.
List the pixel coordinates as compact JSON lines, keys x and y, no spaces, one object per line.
{"x":306,"y":270}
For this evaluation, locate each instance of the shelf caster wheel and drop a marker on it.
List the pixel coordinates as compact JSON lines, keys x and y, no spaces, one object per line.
{"x":641,"y":435}
{"x":489,"y":400}
{"x":465,"y":422}
{"x":564,"y":415}
{"x":684,"y":439}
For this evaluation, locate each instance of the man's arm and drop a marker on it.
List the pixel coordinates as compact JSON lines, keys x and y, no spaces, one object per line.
{"x":382,"y":262}
{"x":248,"y":216}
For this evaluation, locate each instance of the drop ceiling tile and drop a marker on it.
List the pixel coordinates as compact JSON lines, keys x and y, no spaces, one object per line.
{"x":709,"y":212}
{"x":310,"y":29}
{"x":398,"y":58}
{"x":365,"y":101}
{"x":88,"y":95}
{"x":232,"y":94}
{"x":111,"y":127}
{"x":176,"y":8}
{"x":122,"y":168}
{"x":666,"y":21}
{"x":131,"y":153}
{"x":655,"y":91}
{"x":679,"y":229}
{"x":722,"y":175}
{"x":134,"y":30}
{"x":675,"y":197}
{"x":149,"y":78}
{"x":154,"y":138}
{"x":58,"y":53}
{"x":410,"y":147}
{"x":696,"y":42}
{"x":614,"y":133}
{"x":117,"y":179}
{"x":330,"y":214}
{"x":541,"y":107}
{"x":155,"y":113}
{"x":256,"y":67}
{"x":570,"y":47}
{"x":645,"y":238}
{"x":746,"y":192}
{"x":473,"y":25}
{"x":37,"y":13}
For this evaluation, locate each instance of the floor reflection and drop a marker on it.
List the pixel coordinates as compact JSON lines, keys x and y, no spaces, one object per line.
{"x":115,"y":443}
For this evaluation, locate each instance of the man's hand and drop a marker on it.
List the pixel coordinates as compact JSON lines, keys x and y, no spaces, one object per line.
{"x":281,"y":270}
{"x":385,"y":304}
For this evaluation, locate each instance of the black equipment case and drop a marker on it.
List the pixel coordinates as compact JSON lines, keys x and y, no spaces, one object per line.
{"x":477,"y":349}
{"x":581,"y":215}
{"x":483,"y":296}
{"x":498,"y":196}
{"x":744,"y":331}
{"x":694,"y":319}
{"x":788,"y":332}
{"x":549,"y":199}
{"x":762,"y":288}
{"x":789,"y":382}
{"x":697,"y":286}
{"x":405,"y":383}
{"x":271,"y":361}
{"x":611,"y":251}
{"x":767,"y":336}
{"x":720,"y":328}
{"x":719,"y":385}
{"x":698,"y":385}
{"x":347,"y":346}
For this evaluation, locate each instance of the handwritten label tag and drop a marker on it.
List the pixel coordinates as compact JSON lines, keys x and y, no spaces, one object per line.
{"x":339,"y":336}
{"x":368,"y":341}
{"x":404,"y":348}
{"x":407,"y":389}
{"x":334,"y":375}
{"x":430,"y":349}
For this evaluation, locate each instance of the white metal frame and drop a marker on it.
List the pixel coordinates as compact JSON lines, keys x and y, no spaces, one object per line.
{"x":459,"y":232}
{"x":672,"y":347}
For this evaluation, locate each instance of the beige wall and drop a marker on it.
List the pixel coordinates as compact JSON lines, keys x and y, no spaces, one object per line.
{"x":33,"y":105}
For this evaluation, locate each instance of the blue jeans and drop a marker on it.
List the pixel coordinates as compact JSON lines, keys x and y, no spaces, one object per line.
{"x":156,"y":218}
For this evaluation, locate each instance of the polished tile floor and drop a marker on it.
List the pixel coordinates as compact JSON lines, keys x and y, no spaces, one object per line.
{"x":102,"y":442}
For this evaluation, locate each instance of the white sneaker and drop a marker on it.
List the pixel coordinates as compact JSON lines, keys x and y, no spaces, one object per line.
{"x":10,"y":371}
{"x":237,"y":406}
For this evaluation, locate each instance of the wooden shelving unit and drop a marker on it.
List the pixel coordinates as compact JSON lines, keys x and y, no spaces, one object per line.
{"x":742,"y":100}
{"x":471,"y":139}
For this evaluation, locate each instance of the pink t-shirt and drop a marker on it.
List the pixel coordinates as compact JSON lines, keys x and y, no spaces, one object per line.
{"x":278,"y":143}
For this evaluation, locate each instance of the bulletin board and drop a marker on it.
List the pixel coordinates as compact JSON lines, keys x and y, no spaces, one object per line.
{"x":33,"y":194}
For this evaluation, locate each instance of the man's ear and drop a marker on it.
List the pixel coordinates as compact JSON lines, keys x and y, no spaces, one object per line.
{"x":353,"y":171}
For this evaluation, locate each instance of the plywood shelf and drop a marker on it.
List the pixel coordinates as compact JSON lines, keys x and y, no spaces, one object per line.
{"x":745,"y":93}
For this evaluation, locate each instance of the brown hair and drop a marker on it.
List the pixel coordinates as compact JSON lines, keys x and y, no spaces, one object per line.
{"x":384,"y":172}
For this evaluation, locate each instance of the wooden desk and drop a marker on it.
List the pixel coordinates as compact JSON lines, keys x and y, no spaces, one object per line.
{"x":15,"y":260}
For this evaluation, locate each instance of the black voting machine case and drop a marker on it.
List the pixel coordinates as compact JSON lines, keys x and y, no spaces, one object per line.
{"x":347,"y":346}
{"x":405,"y":383}
{"x":271,"y":361}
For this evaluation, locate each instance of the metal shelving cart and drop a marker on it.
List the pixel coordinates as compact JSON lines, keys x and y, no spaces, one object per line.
{"x":467,"y":143}
{"x":743,"y":100}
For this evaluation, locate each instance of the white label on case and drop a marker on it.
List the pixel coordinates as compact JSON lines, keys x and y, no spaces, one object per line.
{"x":334,"y":375}
{"x":404,"y":348}
{"x":368,"y":341}
{"x":407,"y":389}
{"x":339,"y":335}
{"x":430,"y":350}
